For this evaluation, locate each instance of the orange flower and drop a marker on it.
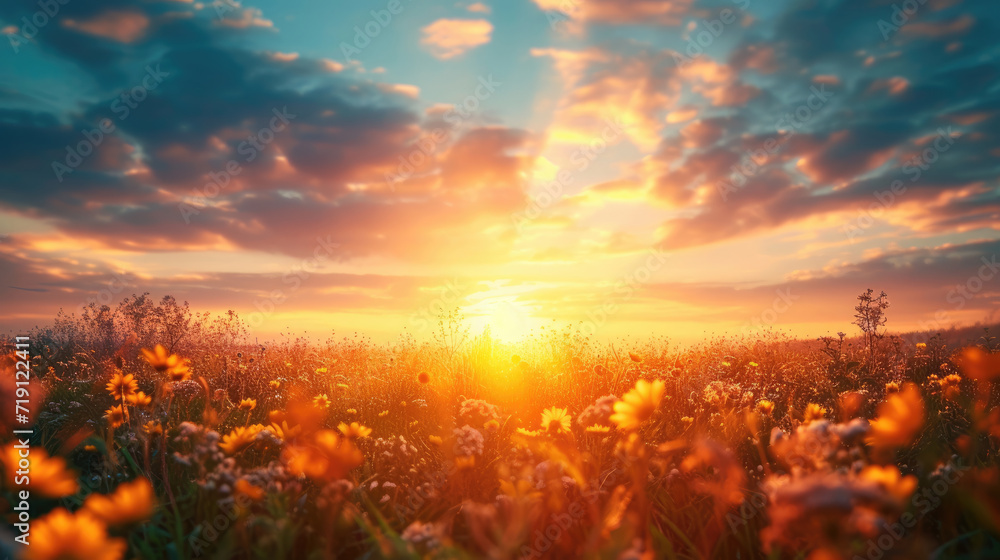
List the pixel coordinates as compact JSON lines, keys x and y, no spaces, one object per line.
{"x":60,"y":535}
{"x":248,"y":404}
{"x":122,"y":385}
{"x":765,"y":407}
{"x":556,"y":421}
{"x":49,"y":476}
{"x":354,"y":430}
{"x":115,"y":416}
{"x":321,"y":401}
{"x":635,"y":357}
{"x":130,"y":503}
{"x":329,"y":458}
{"x":890,"y":479}
{"x":813,"y":412}
{"x":639,"y":404}
{"x":979,"y":364}
{"x":240,"y":438}
{"x":173,"y":365}
{"x":245,"y":488}
{"x":139,"y":399}
{"x":275,"y":384}
{"x":900,"y":418}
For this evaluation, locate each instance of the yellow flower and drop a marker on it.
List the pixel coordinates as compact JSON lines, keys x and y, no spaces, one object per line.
{"x":921,"y":345}
{"x":402,"y":404}
{"x":765,"y":407}
{"x":139,"y":399}
{"x":639,"y":404}
{"x":354,"y":430}
{"x":49,"y":476}
{"x":383,"y":414}
{"x":173,"y":365}
{"x":321,"y":401}
{"x":115,"y":416}
{"x":131,"y":502}
{"x":244,"y":488}
{"x":891,"y":387}
{"x":814,"y":412}
{"x":275,"y":384}
{"x":283,"y":431}
{"x":60,"y":535}
{"x":900,"y":418}
{"x":556,"y":421}
{"x":597,"y":429}
{"x":891,"y":480}
{"x":753,"y":364}
{"x":240,"y":438}
{"x":153,"y":427}
{"x":687,"y":420}
{"x":352,"y":411}
{"x":248,"y":404}
{"x":436,"y":440}
{"x":122,"y":385}
{"x":329,"y":458}
{"x":321,"y":370}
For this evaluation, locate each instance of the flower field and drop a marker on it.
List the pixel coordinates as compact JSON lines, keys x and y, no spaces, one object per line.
{"x":199,"y":443}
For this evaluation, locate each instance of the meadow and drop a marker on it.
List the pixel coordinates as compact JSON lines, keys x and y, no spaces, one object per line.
{"x":163,"y":433}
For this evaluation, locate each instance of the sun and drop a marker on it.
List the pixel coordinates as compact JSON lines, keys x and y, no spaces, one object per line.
{"x":499,"y":310}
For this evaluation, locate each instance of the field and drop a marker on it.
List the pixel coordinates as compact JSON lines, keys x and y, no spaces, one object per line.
{"x":159,"y":433}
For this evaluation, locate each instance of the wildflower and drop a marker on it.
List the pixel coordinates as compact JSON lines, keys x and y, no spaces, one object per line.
{"x":383,"y":414}
{"x":635,"y":357}
{"x":726,"y":364}
{"x":950,"y":385}
{"x":49,"y":476}
{"x":436,"y":440}
{"x":468,"y":441}
{"x":891,"y":387}
{"x":152,"y":427}
{"x":139,"y":399}
{"x":275,"y":384}
{"x":180,"y":372}
{"x":131,"y":502}
{"x":329,"y":458}
{"x":283,"y":431}
{"x":354,"y":430}
{"x":423,"y":377}
{"x":921,"y":345}
{"x":765,"y":407}
{"x":639,"y":404}
{"x":243,"y":487}
{"x":598,"y":413}
{"x":248,"y":404}
{"x":423,"y":537}
{"x":122,"y":385}
{"x":352,"y":411}
{"x":160,"y":359}
{"x":61,"y":535}
{"x":979,"y":364}
{"x":900,"y":418}
{"x":239,"y":439}
{"x":890,"y":479}
{"x":115,"y":416}
{"x":321,"y":401}
{"x":597,"y":429}
{"x":556,"y":421}
{"x":753,"y":364}
{"x":321,"y":370}
{"x":402,"y":404}
{"x":814,"y":412}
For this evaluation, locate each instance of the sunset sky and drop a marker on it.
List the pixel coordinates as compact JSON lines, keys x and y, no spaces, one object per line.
{"x":631,"y":167}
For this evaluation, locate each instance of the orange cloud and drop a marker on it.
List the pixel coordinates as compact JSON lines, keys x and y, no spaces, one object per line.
{"x":121,"y":26}
{"x":448,"y":38}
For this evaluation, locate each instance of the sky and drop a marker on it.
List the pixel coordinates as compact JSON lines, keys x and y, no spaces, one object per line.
{"x":624,"y":167}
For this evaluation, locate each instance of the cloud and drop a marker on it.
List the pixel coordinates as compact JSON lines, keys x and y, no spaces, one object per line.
{"x":448,"y":38}
{"x":648,"y":12}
